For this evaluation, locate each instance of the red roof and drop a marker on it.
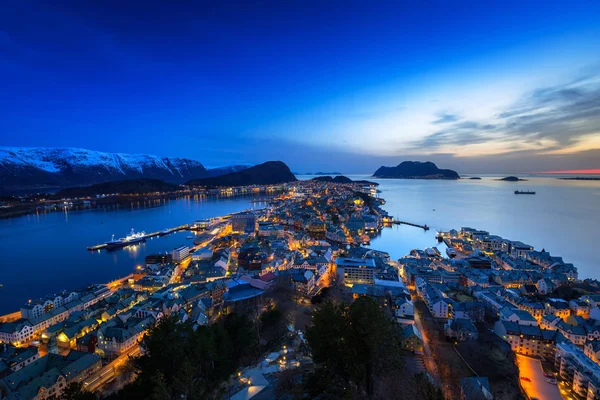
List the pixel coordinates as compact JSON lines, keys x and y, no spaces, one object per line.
{"x":269,"y":276}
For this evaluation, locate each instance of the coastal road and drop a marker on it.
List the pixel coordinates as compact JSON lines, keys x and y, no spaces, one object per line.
{"x":538,"y":387}
{"x":109,"y":371}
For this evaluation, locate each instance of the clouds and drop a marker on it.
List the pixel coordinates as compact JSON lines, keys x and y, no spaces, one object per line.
{"x":559,"y":119}
{"x":444,"y":118}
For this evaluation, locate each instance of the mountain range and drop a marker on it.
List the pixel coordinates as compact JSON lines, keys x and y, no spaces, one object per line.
{"x":415,"y":170}
{"x":27,"y":168}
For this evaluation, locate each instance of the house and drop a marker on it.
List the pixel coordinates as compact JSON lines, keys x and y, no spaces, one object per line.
{"x":412,"y":339}
{"x":575,"y":333}
{"x":303,"y":281}
{"x":117,"y":335}
{"x":49,"y":375}
{"x":580,"y":307}
{"x":461,"y":329}
{"x":545,"y":286}
{"x":558,"y":307}
{"x":549,"y":322}
{"x":475,"y":388}
{"x":404,"y":310}
{"x":16,"y":358}
{"x":523,"y":339}
{"x":592,"y":350}
{"x":520,"y":317}
{"x":16,"y":332}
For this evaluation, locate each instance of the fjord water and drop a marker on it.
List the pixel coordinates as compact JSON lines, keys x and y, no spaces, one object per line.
{"x":563,"y":217}
{"x":47,"y":252}
{"x":44,"y":253}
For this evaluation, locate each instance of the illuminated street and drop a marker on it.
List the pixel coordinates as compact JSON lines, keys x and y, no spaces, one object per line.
{"x":538,"y":387}
{"x":109,"y":371}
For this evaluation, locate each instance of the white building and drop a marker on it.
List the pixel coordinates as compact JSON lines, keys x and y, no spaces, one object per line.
{"x":355,"y":270}
{"x":180,"y":253}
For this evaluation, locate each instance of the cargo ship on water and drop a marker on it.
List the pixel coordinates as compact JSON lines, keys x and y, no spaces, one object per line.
{"x":132,"y":238}
{"x":524,"y":192}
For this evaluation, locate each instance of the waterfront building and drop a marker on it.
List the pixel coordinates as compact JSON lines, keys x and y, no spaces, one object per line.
{"x":16,"y":332}
{"x":180,"y":253}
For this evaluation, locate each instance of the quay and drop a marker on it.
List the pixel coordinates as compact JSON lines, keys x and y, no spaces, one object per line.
{"x":146,"y":236}
{"x":424,"y":227}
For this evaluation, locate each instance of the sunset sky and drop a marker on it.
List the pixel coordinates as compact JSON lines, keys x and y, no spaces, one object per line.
{"x":347,"y":86}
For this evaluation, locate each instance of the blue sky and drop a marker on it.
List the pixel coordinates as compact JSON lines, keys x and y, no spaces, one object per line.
{"x":509,"y":87}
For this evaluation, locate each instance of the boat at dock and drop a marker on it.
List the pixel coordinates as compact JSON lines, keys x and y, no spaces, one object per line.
{"x":132,"y":238}
{"x":524,"y":192}
{"x":165,"y":232}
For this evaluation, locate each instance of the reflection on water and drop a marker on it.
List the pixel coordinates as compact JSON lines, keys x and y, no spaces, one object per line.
{"x":46,"y":252}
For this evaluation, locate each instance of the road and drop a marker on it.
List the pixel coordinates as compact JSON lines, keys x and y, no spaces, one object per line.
{"x":538,"y":387}
{"x":108,"y":372}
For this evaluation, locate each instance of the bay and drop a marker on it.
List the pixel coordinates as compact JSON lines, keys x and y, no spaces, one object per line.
{"x":44,"y":253}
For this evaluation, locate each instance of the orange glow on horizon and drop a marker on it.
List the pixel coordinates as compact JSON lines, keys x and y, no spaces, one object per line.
{"x":574,"y":171}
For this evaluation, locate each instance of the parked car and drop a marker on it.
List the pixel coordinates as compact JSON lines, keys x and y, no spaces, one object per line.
{"x":526,"y":379}
{"x":547,"y":375}
{"x":551,"y":381}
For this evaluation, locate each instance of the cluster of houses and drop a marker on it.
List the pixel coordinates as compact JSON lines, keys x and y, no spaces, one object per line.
{"x":225,"y":271}
{"x":527,"y":293}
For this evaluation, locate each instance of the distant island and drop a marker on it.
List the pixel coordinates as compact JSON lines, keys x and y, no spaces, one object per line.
{"x":475,"y":177}
{"x":127,"y":186}
{"x":416,"y":170}
{"x":269,"y":173}
{"x":511,"y":179}
{"x":582,"y":178}
{"x":342,"y":179}
{"x":323,"y":173}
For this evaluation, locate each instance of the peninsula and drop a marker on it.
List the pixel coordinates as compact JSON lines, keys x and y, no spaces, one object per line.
{"x":268,"y":173}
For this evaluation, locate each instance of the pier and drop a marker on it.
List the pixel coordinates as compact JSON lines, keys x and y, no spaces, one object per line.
{"x":424,"y":227}
{"x":146,"y":236}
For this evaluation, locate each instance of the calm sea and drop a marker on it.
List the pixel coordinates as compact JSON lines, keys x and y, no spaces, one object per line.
{"x":44,"y":253}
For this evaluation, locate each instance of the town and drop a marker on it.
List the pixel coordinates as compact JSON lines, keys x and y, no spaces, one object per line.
{"x":486,"y":317}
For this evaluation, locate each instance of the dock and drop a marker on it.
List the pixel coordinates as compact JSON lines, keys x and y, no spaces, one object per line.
{"x":424,"y":227}
{"x":146,"y":236}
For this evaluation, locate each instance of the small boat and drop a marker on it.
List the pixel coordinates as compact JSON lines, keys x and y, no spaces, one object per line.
{"x":524,"y":192}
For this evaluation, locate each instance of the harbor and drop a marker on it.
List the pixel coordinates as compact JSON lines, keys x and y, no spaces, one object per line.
{"x":134,"y":238}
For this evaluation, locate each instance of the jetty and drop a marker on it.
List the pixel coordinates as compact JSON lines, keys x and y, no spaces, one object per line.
{"x":146,"y":236}
{"x":424,"y":227}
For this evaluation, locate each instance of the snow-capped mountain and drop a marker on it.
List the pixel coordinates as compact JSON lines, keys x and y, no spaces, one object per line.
{"x":30,"y":167}
{"x":212,"y":172}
